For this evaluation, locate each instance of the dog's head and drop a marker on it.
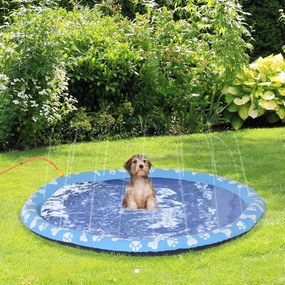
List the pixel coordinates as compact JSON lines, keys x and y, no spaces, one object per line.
{"x":138,"y":165}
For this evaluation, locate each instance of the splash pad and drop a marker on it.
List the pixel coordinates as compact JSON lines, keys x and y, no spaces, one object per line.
{"x":196,"y":210}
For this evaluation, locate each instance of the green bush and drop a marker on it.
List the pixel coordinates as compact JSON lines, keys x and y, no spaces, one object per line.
{"x":189,"y":60}
{"x":34,"y":90}
{"x":48,"y":54}
{"x":263,"y":16}
{"x":259,"y":91}
{"x":268,"y":32}
{"x":159,"y":73}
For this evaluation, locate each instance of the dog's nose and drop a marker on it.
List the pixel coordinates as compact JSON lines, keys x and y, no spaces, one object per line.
{"x":141,"y":166}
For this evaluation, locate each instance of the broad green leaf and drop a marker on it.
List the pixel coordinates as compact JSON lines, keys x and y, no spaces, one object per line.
{"x":276,"y":84}
{"x":263,"y":77}
{"x":267,"y":61}
{"x":268,"y":95}
{"x":229,"y":98}
{"x":227,"y":115}
{"x":238,"y":101}
{"x":252,"y":112}
{"x":232,"y":108}
{"x":249,"y":83}
{"x":278,"y":57}
{"x":237,"y":122}
{"x":256,"y":64}
{"x":241,"y":101}
{"x":281,"y":91}
{"x":268,"y":104}
{"x":250,"y":74}
{"x":246,"y":89}
{"x":277,"y":62}
{"x":281,"y":113}
{"x":264,"y":84}
{"x":279,"y":78}
{"x":261,"y":110}
{"x":272,"y":118}
{"x":243,"y":111}
{"x":234,"y":90}
{"x":262,"y":69}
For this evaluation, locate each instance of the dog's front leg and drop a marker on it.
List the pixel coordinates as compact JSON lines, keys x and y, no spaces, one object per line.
{"x":129,"y":202}
{"x":151,"y":204}
{"x":132,"y":205}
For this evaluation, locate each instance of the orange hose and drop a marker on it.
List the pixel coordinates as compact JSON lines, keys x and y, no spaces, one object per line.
{"x":31,"y":159}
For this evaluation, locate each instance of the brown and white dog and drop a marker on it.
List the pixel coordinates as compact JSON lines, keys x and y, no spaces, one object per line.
{"x":139,"y":193}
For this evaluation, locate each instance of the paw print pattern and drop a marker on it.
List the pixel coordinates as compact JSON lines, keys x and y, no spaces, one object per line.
{"x":54,"y":231}
{"x":247,"y":216}
{"x":241,"y":225}
{"x":251,"y":193}
{"x":135,"y":246}
{"x":43,"y":226}
{"x":204,"y":236}
{"x":42,"y":191}
{"x":67,"y":237}
{"x":83,"y":237}
{"x":221,"y":179}
{"x":227,"y":232}
{"x":26,"y":217}
{"x":34,"y":222}
{"x":96,"y":238}
{"x":154,"y":244}
{"x":191,"y":241}
{"x":54,"y":182}
{"x":172,"y":242}
{"x":255,"y":206}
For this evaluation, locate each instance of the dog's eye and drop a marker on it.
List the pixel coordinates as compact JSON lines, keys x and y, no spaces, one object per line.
{"x":144,"y":161}
{"x":135,"y":161}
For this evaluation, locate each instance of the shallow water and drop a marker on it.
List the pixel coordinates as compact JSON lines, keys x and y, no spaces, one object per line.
{"x":186,"y":208}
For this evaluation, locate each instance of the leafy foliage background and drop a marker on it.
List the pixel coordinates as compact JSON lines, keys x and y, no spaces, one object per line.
{"x":117,"y":69}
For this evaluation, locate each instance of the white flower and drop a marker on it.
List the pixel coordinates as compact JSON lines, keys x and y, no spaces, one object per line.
{"x":4,"y":77}
{"x":34,"y":104}
{"x":43,"y":92}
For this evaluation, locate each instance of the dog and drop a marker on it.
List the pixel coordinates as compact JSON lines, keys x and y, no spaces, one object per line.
{"x":139,"y":193}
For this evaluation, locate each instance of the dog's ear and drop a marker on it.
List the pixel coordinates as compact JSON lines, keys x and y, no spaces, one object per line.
{"x":128,"y":164}
{"x":149,"y":164}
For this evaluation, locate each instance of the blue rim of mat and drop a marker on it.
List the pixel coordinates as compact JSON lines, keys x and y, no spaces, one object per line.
{"x":30,"y":215}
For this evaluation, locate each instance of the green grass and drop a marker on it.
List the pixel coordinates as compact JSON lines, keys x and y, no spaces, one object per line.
{"x":254,"y":157}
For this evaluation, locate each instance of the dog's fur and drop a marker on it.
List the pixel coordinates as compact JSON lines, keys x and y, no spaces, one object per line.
{"x":139,"y":193}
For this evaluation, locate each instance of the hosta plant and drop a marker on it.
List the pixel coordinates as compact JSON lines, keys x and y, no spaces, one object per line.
{"x":258,"y":91}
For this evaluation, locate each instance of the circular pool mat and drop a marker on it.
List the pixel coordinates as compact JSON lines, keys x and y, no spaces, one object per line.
{"x":195,"y":210}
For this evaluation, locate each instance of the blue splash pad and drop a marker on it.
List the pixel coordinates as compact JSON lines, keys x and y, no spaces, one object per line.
{"x":196,"y":210}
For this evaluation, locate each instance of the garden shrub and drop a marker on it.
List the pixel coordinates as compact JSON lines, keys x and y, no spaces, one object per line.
{"x":268,"y":32}
{"x":48,"y":54}
{"x":262,"y":16}
{"x":259,"y":91}
{"x":34,"y":90}
{"x":190,"y":59}
{"x":103,"y":68}
{"x":80,"y":73}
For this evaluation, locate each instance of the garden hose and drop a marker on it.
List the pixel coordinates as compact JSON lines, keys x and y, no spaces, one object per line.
{"x":31,"y":159}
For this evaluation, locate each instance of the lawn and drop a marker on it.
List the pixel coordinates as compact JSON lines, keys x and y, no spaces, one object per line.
{"x":252,"y":156}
